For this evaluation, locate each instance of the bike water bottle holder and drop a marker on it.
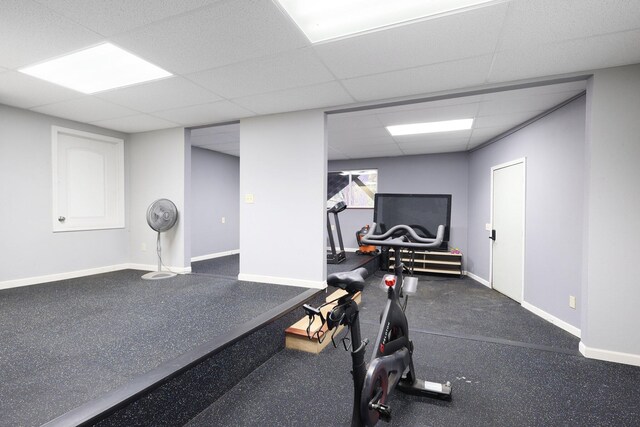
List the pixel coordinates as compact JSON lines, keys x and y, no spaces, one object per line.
{"x":410,"y":285}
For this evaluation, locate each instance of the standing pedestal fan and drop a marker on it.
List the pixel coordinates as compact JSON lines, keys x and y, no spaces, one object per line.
{"x":161,"y":216}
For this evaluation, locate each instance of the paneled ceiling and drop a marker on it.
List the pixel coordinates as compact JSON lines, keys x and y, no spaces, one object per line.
{"x":233,"y":59}
{"x":362,"y":133}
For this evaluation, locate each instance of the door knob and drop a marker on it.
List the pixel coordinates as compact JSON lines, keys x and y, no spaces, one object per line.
{"x":493,"y":235}
{"x":61,"y":218}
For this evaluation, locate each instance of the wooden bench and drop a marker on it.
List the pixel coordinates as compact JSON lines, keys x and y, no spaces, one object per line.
{"x":296,"y":337}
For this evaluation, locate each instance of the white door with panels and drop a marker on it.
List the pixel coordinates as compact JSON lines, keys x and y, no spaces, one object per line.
{"x":88,"y":180}
{"x":507,"y":223}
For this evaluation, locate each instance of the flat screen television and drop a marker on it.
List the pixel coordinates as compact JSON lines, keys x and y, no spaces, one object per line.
{"x":423,"y":212}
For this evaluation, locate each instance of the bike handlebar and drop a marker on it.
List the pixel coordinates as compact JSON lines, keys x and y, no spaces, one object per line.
{"x":402,"y":241}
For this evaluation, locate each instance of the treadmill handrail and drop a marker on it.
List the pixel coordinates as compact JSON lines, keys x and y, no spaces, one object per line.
{"x":385,"y":239}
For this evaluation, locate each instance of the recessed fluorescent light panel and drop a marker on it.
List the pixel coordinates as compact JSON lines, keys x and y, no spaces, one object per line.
{"x":322,"y":20}
{"x":96,"y":69}
{"x":430,"y":127}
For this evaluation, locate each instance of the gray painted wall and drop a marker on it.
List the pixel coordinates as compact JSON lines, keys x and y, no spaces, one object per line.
{"x":554,"y":148}
{"x":215,"y":193}
{"x":283,"y":164}
{"x":611,"y":289}
{"x":28,"y":247}
{"x":426,"y":174}
{"x":158,"y":163}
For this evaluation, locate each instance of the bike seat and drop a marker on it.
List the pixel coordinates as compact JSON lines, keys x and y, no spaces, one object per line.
{"x":350,"y":281}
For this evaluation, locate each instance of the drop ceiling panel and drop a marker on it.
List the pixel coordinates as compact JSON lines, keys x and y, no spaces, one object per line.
{"x":421,"y":80}
{"x":422,"y":115}
{"x":420,"y":43}
{"x":453,"y":143}
{"x":335,"y":155}
{"x":219,"y":35}
{"x":21,"y":90}
{"x":30,"y":33}
{"x":338,"y":122}
{"x":304,"y":98}
{"x":116,"y":16}
{"x":550,"y":21}
{"x":137,"y":123}
{"x":165,"y":94}
{"x":430,"y":138}
{"x":217,"y":131}
{"x":288,"y":70}
{"x":479,"y":136}
{"x":567,"y":57}
{"x":434,"y":150}
{"x":441,"y":103}
{"x":203,"y":114}
{"x":363,"y":143}
{"x":86,"y":109}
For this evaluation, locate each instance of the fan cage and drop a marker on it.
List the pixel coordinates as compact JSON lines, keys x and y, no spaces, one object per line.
{"x":162,"y":215}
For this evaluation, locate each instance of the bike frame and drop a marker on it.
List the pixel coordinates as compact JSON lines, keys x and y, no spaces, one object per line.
{"x":391,"y":364}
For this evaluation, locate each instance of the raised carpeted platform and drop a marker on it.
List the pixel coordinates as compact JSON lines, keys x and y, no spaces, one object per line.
{"x":69,"y":342}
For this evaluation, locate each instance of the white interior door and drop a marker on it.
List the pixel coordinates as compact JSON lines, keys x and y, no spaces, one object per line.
{"x":88,"y":180}
{"x":508,"y":204}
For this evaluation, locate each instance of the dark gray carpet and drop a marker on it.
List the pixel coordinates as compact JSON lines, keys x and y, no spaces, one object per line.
{"x":507,"y":368}
{"x":67,"y":342}
{"x":465,"y":307}
{"x":230,"y":265}
{"x":224,"y":266}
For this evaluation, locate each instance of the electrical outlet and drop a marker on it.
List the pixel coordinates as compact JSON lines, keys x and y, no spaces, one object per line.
{"x":487,"y":227}
{"x":248,"y":198}
{"x":224,"y":220}
{"x":572,"y":301}
{"x":143,"y":247}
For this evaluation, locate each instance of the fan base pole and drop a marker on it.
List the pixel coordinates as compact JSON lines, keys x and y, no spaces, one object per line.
{"x":157,"y":275}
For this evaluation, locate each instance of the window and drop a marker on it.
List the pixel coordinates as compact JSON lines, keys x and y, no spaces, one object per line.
{"x":357,"y":188}
{"x":88,"y":181}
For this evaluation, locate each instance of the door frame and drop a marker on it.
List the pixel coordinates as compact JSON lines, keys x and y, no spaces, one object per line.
{"x":522,"y":160}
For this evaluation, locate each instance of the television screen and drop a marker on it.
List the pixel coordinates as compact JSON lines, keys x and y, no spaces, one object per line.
{"x":423,"y":212}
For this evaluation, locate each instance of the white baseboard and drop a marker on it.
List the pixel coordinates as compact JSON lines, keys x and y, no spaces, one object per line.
{"x":478,"y":279}
{"x":151,"y":267}
{"x":552,"y":319}
{"x":282,"y":281}
{"x":27,"y":281}
{"x":214,"y":255}
{"x":608,"y":355}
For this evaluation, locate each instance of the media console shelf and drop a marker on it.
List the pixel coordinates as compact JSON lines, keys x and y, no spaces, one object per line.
{"x":430,"y":262}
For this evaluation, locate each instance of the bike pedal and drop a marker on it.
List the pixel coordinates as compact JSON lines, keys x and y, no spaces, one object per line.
{"x":383,"y":410}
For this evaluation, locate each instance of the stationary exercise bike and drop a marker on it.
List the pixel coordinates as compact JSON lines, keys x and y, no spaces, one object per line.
{"x":391,"y":364}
